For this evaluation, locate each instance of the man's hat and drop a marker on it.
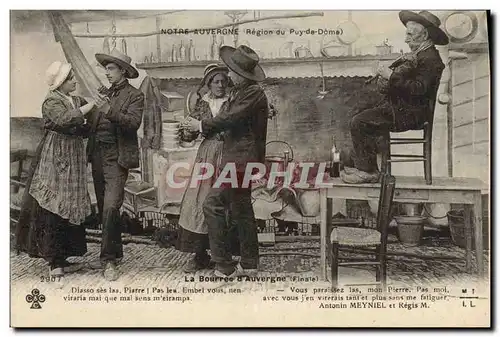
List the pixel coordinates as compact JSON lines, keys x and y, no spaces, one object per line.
{"x":429,"y":21}
{"x":243,"y":61}
{"x":120,"y":59}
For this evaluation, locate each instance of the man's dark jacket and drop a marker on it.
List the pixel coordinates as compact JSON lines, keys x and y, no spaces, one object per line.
{"x":411,"y":90}
{"x":244,"y":123}
{"x":126,"y":109}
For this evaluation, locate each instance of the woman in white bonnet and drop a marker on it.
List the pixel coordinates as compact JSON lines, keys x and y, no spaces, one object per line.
{"x":56,"y":200}
{"x":212,"y":100}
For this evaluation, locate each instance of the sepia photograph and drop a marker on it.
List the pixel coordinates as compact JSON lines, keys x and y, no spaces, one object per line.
{"x":250,"y":168}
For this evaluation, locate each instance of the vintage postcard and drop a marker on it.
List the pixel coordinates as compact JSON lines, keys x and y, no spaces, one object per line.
{"x":250,"y":168}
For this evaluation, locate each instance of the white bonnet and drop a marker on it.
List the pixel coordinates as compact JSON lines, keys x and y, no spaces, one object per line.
{"x":57,"y":73}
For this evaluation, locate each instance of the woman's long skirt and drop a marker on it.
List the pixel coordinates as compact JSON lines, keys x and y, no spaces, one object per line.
{"x":193,"y":232}
{"x":50,"y":237}
{"x":43,"y":234}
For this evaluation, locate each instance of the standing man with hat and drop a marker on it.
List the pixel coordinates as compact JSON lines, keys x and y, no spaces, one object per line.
{"x":408,"y":89}
{"x":113,"y":150}
{"x":244,"y":124}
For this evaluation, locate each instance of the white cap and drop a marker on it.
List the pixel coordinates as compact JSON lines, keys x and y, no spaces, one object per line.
{"x":56,"y":74}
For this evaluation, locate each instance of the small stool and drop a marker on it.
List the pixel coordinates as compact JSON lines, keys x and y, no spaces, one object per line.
{"x":139,"y":194}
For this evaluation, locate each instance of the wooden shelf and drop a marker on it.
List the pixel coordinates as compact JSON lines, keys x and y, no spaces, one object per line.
{"x":361,"y":65}
{"x":203,"y":63}
{"x":481,"y":47}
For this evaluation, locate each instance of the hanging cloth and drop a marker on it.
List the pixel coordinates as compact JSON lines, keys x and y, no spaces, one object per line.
{"x":151,"y":122}
{"x":88,"y":80}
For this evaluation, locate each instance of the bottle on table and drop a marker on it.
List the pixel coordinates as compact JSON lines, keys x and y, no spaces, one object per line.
{"x":285,"y":165}
{"x":334,"y":161}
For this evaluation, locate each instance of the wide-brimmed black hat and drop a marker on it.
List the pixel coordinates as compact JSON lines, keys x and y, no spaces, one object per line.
{"x":243,"y":61}
{"x":429,"y":21}
{"x":120,"y":59}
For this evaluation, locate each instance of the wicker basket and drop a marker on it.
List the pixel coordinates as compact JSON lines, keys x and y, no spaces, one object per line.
{"x":456,"y":223}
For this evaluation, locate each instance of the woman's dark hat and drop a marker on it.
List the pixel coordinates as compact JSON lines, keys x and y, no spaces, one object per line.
{"x":211,"y":70}
{"x":120,"y":59}
{"x":243,"y":61}
{"x":429,"y":21}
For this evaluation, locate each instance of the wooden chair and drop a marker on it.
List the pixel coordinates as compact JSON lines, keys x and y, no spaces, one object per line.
{"x":19,"y":156}
{"x":425,"y":157}
{"x":16,"y":182}
{"x":359,"y":238}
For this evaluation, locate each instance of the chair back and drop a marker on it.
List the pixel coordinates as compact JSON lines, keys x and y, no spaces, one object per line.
{"x":433,"y":99}
{"x":387,"y":188}
{"x":432,"y":107}
{"x":430,"y":119}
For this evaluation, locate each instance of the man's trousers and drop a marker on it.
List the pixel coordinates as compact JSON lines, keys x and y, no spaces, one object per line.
{"x":109,"y":183}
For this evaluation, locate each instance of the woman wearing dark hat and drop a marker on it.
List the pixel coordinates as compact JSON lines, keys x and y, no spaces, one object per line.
{"x":56,"y":201}
{"x":244,"y":123}
{"x":193,"y":234}
{"x":409,"y":88}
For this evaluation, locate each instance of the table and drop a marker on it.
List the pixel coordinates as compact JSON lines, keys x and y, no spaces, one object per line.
{"x":446,"y":190}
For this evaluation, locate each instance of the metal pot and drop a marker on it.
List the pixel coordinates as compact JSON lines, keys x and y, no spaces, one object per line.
{"x":282,"y":161}
{"x":410,"y":234}
{"x":411,"y":209}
